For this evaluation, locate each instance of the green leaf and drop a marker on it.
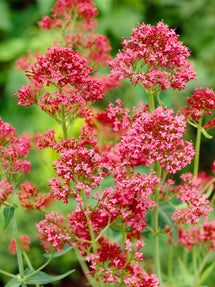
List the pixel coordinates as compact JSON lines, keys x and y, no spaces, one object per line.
{"x":43,"y":278}
{"x":66,"y":249}
{"x":13,"y":283}
{"x":8,"y":213}
{"x":205,"y":274}
{"x":206,"y":134}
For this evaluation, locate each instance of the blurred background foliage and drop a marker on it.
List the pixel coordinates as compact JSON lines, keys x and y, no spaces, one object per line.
{"x":194,"y":20}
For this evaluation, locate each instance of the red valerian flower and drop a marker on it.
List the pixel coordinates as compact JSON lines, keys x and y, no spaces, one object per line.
{"x":66,"y":70}
{"x":154,"y":57}
{"x":157,"y":137}
{"x":70,"y":10}
{"x":198,"y":204}
{"x":30,"y":197}
{"x":202,"y":102}
{"x":54,"y":232}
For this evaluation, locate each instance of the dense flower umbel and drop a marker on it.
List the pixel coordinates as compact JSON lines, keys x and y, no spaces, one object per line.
{"x":54,"y":232}
{"x":111,"y":263}
{"x":83,"y":11}
{"x":157,"y":136}
{"x":94,"y":47}
{"x":154,"y":57}
{"x":129,"y":200}
{"x":202,"y":102}
{"x":204,"y":234}
{"x":69,"y":72}
{"x":13,"y":152}
{"x":5,"y":190}
{"x":30,"y":197}
{"x":198,"y":204}
{"x":79,"y":163}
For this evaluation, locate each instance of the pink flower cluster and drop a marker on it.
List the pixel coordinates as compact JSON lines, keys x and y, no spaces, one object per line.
{"x":111,"y":262}
{"x":129,"y":200}
{"x":69,"y":10}
{"x":94,"y":47}
{"x":198,"y":204}
{"x":13,"y":152}
{"x":30,"y":197}
{"x":155,"y":58}
{"x":5,"y":190}
{"x":203,"y":234}
{"x":202,"y":102}
{"x":157,"y":137}
{"x":66,"y":70}
{"x":54,"y":232}
{"x":79,"y":163}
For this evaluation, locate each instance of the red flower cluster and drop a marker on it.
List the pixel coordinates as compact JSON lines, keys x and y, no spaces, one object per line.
{"x":202,"y":102}
{"x":198,"y":204}
{"x":204,"y":234}
{"x":157,"y":137}
{"x":69,"y":10}
{"x":94,"y":47}
{"x":30,"y":197}
{"x":13,"y":152}
{"x":66,"y":70}
{"x":54,"y":232}
{"x":154,"y":57}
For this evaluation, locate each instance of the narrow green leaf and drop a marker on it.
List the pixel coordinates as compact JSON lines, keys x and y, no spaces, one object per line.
{"x":8,"y":213}
{"x":43,"y":278}
{"x":205,"y":274}
{"x":184,"y":269}
{"x":206,"y":134}
{"x":66,"y":249}
{"x":13,"y":283}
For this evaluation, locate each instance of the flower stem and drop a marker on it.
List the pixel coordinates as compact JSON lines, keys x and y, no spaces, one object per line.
{"x":85,"y":268}
{"x":197,"y":275}
{"x":64,"y":128}
{"x":27,"y":260}
{"x":151,"y":100}
{"x":18,"y":249}
{"x":156,"y":229}
{"x":170,"y":257}
{"x":198,"y":142}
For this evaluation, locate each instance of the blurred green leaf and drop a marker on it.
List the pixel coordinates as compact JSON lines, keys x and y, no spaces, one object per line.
{"x":8,"y":213}
{"x":43,"y":278}
{"x":11,"y":49}
{"x":5,"y":22}
{"x":13,"y":283}
{"x":205,"y":274}
{"x":103,"y":6}
{"x":45,"y":6}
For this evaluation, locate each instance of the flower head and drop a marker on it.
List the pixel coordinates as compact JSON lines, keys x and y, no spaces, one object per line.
{"x":154,"y":57}
{"x":157,"y":136}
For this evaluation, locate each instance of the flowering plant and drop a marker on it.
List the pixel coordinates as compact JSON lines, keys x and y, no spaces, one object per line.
{"x":139,"y":150}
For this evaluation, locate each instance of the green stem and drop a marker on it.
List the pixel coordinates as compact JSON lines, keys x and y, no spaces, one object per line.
{"x":198,"y":142}
{"x":170,"y":257}
{"x":92,"y":236}
{"x":64,"y":127}
{"x":156,"y":228}
{"x":85,"y":268}
{"x":8,"y":274}
{"x":27,"y":260}
{"x":151,"y":100}
{"x":18,"y":248}
{"x":41,"y":267}
{"x":197,"y":275}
